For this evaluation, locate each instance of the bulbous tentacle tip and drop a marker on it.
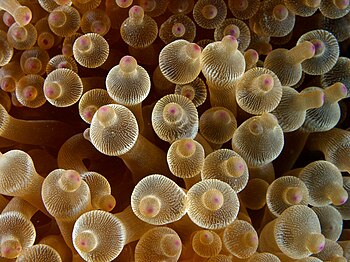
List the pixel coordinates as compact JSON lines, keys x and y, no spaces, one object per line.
{"x":171,"y":245}
{"x":193,"y":50}
{"x":128,"y":64}
{"x":339,"y":197}
{"x":23,"y":15}
{"x":30,"y":93}
{"x":85,"y":241}
{"x":240,"y":5}
{"x":52,"y":90}
{"x":315,"y":243}
{"x":313,"y":3}
{"x":83,"y":43}
{"x":213,"y":199}
{"x":63,"y":2}
{"x":251,"y":239}
{"x":235,"y":166}
{"x":280,"y":12}
{"x":107,"y":203}
{"x":124,"y":3}
{"x":10,"y":248}
{"x":186,"y":148}
{"x":71,"y":180}
{"x":150,"y":206}
{"x":230,"y":42}
{"x":57,"y":18}
{"x":136,"y":12}
{"x":105,"y":113}
{"x":209,"y":11}
{"x":341,"y":4}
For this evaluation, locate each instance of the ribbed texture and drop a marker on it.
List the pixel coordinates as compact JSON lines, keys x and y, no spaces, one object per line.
{"x":183,"y":125}
{"x":215,"y":167}
{"x":128,"y":88}
{"x":22,"y":37}
{"x":96,"y":54}
{"x":39,"y":253}
{"x":176,"y":65}
{"x":71,"y":23}
{"x":292,"y":229}
{"x":205,"y":217}
{"x":324,"y":61}
{"x":118,"y":135}
{"x":276,"y":194}
{"x":67,"y":83}
{"x":109,"y":231}
{"x":171,"y":199}
{"x":176,"y":27}
{"x":64,"y":205}
{"x":250,"y":93}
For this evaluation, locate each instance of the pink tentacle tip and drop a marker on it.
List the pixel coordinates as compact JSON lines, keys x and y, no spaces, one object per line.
{"x":49,"y":91}
{"x":267,"y":81}
{"x":32,"y":65}
{"x":321,"y":247}
{"x":189,"y":146}
{"x":173,"y":110}
{"x":136,"y":10}
{"x":233,"y":38}
{"x":317,"y":45}
{"x":127,"y":59}
{"x":217,"y":200}
{"x":104,"y":109}
{"x":188,"y":94}
{"x":240,"y":167}
{"x":212,"y":12}
{"x":232,"y":32}
{"x":17,"y":33}
{"x":178,"y":29}
{"x":196,"y":48}
{"x":149,"y":210}
{"x":344,"y":89}
{"x":280,"y":9}
{"x":98,"y":27}
{"x":269,"y":50}
{"x":177,"y":243}
{"x":343,"y":200}
{"x":45,"y":41}
{"x":65,"y":51}
{"x":74,"y":177}
{"x":54,"y":17}
{"x":296,"y":198}
{"x":241,"y":4}
{"x":29,"y":94}
{"x":8,"y":19}
{"x":343,"y":3}
{"x":83,"y":41}
{"x":222,"y":114}
{"x":313,"y":50}
{"x":27,"y":18}
{"x":64,"y":64}
{"x":88,"y":115}
{"x":6,"y":251}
